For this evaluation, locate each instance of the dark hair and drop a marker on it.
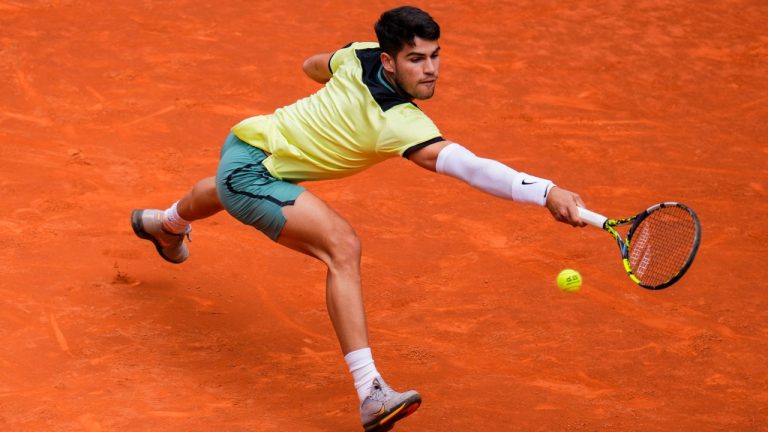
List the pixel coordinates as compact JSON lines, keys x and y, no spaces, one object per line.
{"x":400,"y":26}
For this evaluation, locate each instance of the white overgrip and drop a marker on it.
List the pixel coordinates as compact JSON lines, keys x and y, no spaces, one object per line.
{"x":591,"y":217}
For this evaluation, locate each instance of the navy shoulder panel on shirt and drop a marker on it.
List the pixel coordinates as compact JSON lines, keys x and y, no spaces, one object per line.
{"x":373,"y":78}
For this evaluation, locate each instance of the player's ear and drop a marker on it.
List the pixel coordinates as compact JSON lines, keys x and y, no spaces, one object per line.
{"x":388,"y":62}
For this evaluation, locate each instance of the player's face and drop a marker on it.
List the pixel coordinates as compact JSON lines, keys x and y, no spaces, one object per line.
{"x":415,"y":68}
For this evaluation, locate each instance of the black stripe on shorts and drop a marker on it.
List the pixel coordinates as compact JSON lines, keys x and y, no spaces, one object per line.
{"x":269,"y":198}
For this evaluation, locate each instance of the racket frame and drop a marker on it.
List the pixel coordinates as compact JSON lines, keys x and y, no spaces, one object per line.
{"x":600,"y":221}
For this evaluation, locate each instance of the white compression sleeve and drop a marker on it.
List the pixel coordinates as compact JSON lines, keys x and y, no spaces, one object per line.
{"x":491,"y":176}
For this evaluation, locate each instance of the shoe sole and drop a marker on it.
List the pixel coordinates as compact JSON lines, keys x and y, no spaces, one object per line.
{"x":387,"y":422}
{"x":138,"y":229}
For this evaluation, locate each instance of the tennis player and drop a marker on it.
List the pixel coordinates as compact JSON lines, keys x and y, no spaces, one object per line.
{"x":364,"y":114}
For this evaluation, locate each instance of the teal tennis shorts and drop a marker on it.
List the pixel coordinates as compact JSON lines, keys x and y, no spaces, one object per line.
{"x":249,"y":192}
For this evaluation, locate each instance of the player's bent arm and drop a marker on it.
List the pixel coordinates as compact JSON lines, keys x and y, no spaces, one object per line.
{"x":318,"y":68}
{"x":497,"y":179}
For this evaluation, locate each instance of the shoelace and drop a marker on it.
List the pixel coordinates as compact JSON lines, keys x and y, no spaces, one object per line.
{"x":188,"y":233}
{"x":169,"y":239}
{"x":379,"y":392}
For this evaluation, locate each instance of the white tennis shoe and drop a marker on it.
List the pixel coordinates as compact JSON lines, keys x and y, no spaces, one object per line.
{"x":384,"y":406}
{"x":148,"y":224}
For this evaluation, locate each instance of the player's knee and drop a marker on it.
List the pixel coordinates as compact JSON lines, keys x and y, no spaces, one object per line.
{"x":205,"y":187}
{"x":346,"y":248}
{"x":205,"y":192}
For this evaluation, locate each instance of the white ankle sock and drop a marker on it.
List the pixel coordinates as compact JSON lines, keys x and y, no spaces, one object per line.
{"x":363,"y":370}
{"x":173,"y":222}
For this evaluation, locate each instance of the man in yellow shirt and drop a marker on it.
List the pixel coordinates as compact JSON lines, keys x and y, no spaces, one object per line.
{"x":362,"y":116}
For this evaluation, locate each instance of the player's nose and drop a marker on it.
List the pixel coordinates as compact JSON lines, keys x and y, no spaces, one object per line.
{"x":430,"y":66}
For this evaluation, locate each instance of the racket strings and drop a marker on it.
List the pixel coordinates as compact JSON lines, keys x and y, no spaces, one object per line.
{"x":662,"y":244}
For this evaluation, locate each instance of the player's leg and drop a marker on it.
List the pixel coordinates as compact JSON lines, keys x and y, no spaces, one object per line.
{"x":315,"y":229}
{"x":295,"y":218}
{"x":200,"y":202}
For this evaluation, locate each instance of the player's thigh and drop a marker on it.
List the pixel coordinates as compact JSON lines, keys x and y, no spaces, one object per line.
{"x":314,"y":228}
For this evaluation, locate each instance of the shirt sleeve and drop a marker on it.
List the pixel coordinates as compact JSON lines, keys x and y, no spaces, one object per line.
{"x":407,"y":126}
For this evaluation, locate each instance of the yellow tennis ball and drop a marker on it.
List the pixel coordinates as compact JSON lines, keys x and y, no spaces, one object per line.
{"x":569,"y":280}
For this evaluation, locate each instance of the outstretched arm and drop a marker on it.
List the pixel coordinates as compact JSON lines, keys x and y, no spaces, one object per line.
{"x":317,"y":67}
{"x":498,"y":179}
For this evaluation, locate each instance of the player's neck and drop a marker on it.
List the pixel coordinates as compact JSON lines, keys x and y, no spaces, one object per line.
{"x":393,"y":82}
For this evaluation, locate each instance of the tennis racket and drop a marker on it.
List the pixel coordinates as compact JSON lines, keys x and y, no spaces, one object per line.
{"x":660,"y":245}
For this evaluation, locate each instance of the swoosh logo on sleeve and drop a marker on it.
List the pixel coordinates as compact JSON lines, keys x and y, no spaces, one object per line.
{"x":528,"y":183}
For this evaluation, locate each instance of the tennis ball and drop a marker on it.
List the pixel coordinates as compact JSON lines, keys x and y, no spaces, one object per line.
{"x":569,"y":280}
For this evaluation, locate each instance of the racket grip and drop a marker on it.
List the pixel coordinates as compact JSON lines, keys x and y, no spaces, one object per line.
{"x":591,"y":217}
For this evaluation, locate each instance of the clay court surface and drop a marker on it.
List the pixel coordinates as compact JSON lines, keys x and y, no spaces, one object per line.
{"x":110,"y":106}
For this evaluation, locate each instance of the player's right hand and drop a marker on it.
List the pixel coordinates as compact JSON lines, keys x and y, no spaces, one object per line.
{"x":563,"y":206}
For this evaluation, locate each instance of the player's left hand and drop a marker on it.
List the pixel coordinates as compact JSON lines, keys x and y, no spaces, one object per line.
{"x":563,"y":206}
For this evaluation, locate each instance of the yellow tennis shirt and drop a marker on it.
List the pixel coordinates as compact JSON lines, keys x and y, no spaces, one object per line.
{"x":355,"y":121}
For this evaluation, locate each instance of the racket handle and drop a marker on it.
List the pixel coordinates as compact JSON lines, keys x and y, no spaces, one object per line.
{"x":591,"y":217}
